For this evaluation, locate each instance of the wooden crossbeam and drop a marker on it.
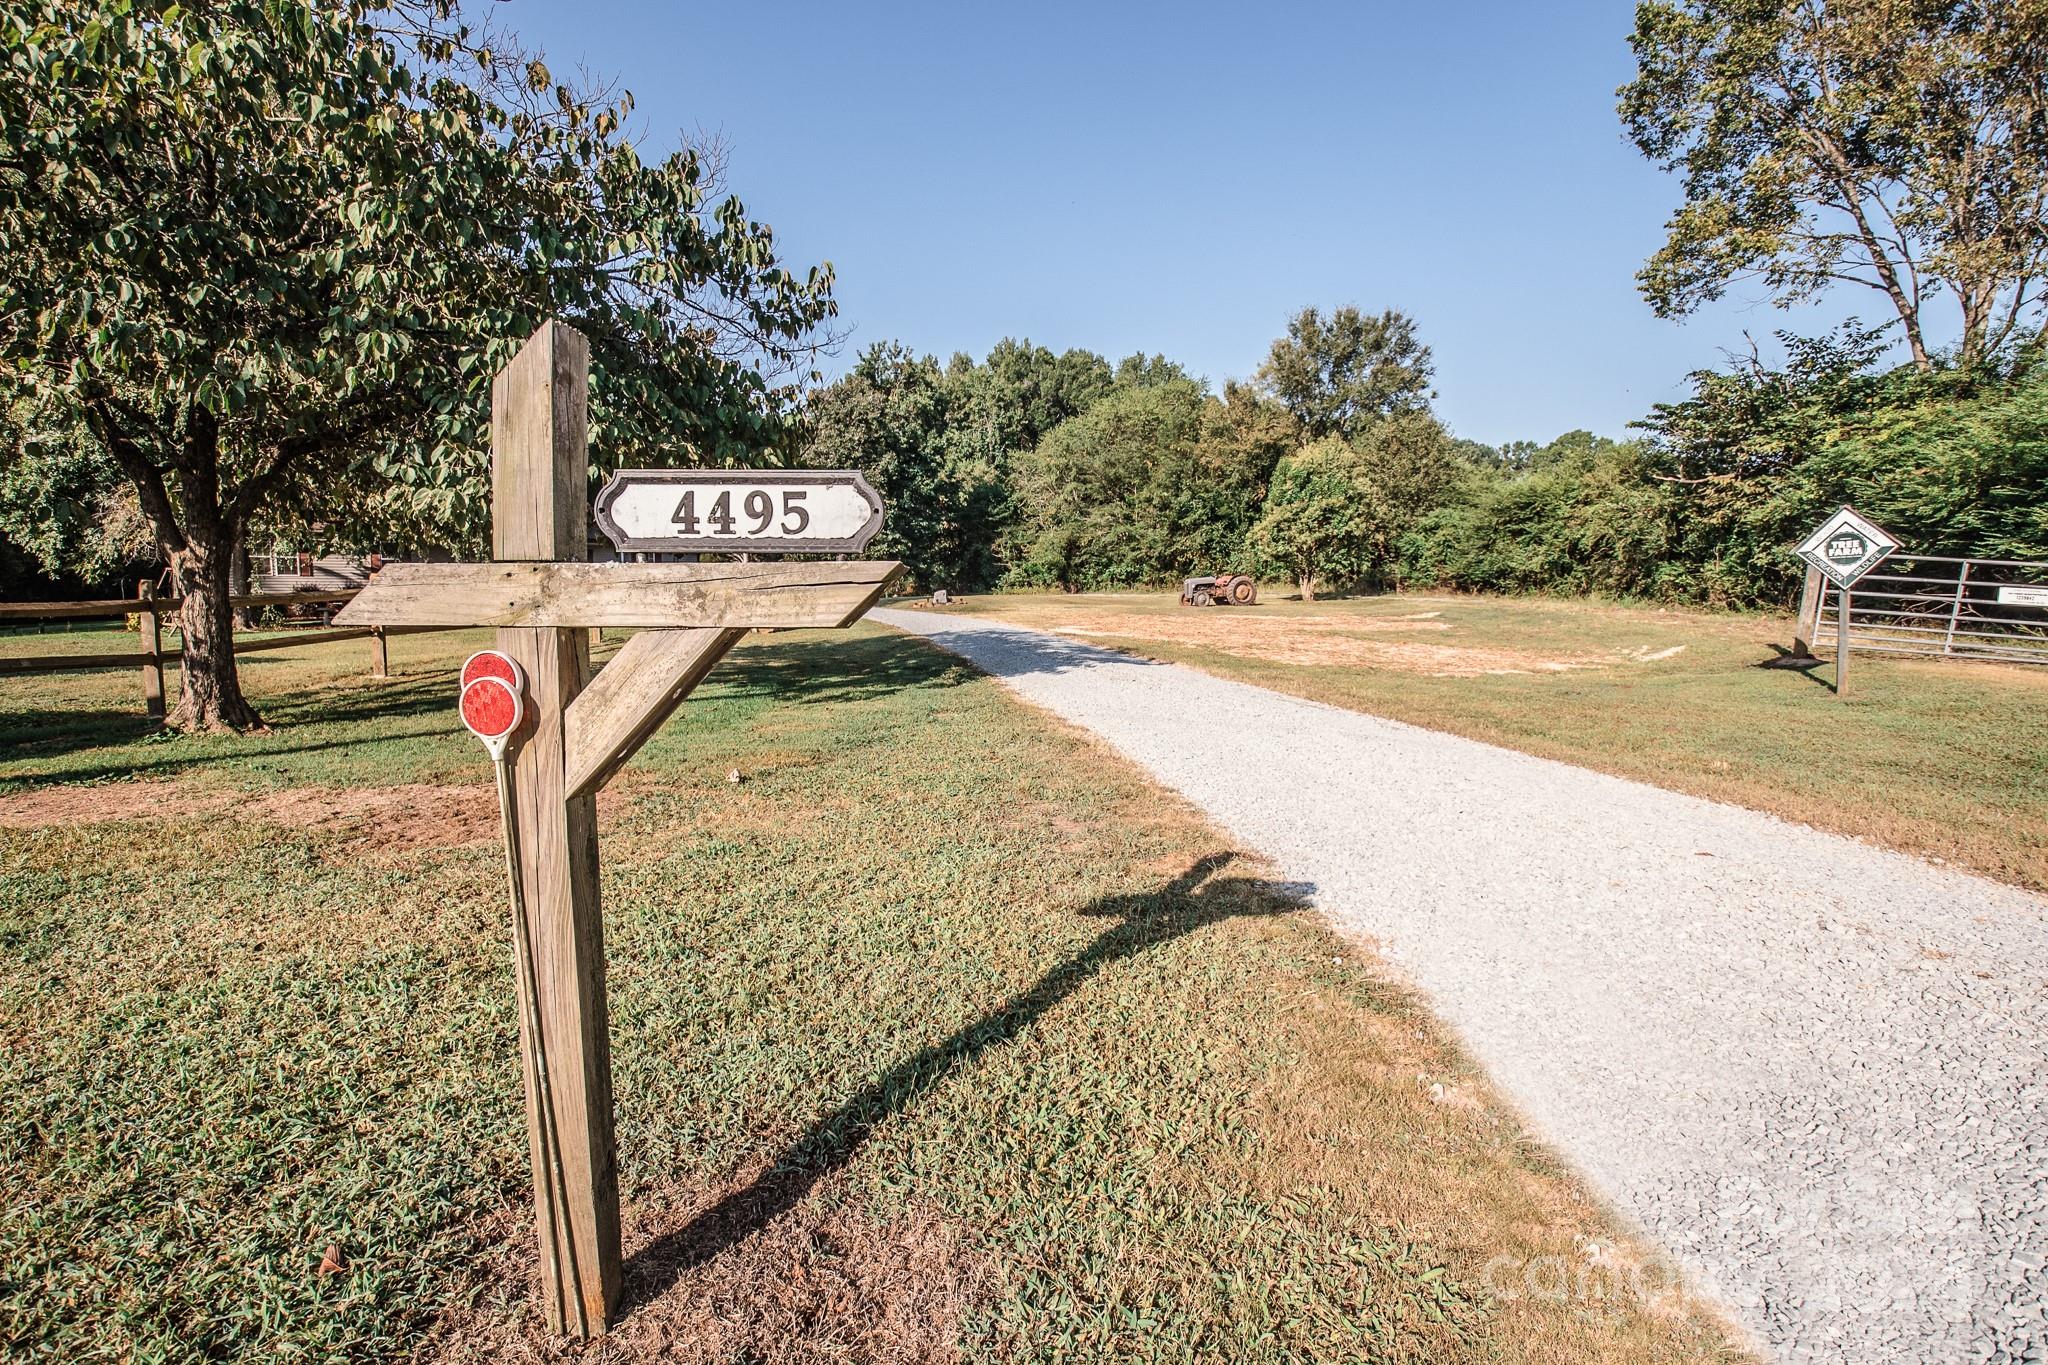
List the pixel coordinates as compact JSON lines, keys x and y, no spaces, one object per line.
{"x":649,"y":596}
{"x":632,"y":695}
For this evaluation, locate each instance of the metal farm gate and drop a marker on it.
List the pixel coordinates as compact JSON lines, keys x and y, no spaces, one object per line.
{"x":1936,"y":607}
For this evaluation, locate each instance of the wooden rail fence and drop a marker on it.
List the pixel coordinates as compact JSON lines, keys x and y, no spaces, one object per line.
{"x":151,"y":657}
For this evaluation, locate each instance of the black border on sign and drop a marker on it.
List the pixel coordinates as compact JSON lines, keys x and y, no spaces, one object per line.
{"x":685,"y":545}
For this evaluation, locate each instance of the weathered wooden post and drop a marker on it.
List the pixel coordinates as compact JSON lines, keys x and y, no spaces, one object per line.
{"x":1842,"y":641}
{"x":380,"y":654}
{"x":151,"y":631}
{"x":549,"y":603}
{"x":539,"y":511}
{"x":1812,"y":593}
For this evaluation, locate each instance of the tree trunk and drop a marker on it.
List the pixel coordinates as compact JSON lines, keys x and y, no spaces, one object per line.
{"x":1308,"y":587}
{"x":210,"y":696}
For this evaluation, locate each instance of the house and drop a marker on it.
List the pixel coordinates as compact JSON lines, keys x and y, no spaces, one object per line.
{"x":289,"y":571}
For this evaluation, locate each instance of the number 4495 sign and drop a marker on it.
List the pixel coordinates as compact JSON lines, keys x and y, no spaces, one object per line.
{"x":756,"y":511}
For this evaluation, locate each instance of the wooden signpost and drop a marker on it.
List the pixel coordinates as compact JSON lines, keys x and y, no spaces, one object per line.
{"x":576,"y":732}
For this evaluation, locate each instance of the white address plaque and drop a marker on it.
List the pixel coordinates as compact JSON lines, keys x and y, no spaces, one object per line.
{"x":757,"y":511}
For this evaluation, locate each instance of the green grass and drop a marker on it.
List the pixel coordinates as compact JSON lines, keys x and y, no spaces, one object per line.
{"x":1947,"y":760}
{"x":942,"y":1034}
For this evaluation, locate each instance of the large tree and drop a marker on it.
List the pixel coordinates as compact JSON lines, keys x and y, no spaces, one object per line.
{"x":1895,"y":145}
{"x":268,"y":253}
{"x":1339,"y":374}
{"x":1338,"y":509}
{"x":1156,"y":481}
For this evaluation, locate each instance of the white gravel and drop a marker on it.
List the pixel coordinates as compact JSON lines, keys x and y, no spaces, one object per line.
{"x":1811,"y":1069}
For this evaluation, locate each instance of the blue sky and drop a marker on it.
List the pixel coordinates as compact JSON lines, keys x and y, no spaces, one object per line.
{"x":1180,"y":178}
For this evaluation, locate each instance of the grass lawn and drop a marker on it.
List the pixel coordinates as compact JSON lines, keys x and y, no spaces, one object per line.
{"x":943,"y":1035}
{"x":1945,"y":760}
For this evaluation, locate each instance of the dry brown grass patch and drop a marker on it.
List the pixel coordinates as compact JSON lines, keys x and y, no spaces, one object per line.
{"x":364,"y":820}
{"x":1329,"y":640}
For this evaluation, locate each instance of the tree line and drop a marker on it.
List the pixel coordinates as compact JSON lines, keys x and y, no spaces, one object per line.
{"x":1329,"y":469}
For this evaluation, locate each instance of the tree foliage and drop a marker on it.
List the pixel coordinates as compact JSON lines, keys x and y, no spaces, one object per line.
{"x":1341,"y":373}
{"x":894,"y":416}
{"x":268,"y":252}
{"x":1896,"y":145}
{"x":1154,"y":482}
{"x":1338,"y":509}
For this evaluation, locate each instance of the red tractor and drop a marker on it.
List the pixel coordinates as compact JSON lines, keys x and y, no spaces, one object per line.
{"x":1217,"y":590}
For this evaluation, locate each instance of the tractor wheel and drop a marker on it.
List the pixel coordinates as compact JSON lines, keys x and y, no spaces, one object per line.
{"x":1202,"y":598}
{"x":1243,"y":591}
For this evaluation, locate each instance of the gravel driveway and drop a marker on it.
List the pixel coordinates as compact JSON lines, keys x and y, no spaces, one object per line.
{"x":1812,"y":1069}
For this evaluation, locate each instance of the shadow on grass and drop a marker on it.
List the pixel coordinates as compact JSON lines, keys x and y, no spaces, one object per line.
{"x":830,"y":670}
{"x":1189,"y":902}
{"x":140,"y":745}
{"x":1804,"y":665}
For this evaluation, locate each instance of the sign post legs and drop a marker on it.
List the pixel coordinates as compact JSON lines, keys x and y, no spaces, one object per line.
{"x":1842,"y":641}
{"x":538,"y":498}
{"x":1812,"y":594}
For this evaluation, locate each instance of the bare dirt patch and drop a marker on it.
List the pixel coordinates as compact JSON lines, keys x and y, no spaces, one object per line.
{"x":827,"y":1281}
{"x":384,"y":819}
{"x":95,"y":803}
{"x":376,"y":820}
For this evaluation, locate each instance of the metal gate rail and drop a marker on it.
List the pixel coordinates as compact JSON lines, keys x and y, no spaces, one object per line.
{"x":1933,"y":606}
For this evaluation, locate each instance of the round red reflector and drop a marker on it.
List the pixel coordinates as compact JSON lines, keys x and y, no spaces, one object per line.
{"x":489,"y":663}
{"x":490,"y":708}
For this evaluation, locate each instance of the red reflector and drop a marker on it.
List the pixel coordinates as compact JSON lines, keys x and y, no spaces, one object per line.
{"x":490,"y":708}
{"x":489,"y":663}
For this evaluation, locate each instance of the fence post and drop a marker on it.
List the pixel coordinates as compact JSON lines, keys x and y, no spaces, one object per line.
{"x":380,"y":657}
{"x":1955,"y":609}
{"x":1808,"y":624}
{"x":153,"y":654}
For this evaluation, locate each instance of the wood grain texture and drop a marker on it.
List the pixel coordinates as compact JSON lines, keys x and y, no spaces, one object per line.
{"x":538,"y":403}
{"x":647,"y":596}
{"x":633,"y":694}
{"x":565,"y":924}
{"x":538,"y":464}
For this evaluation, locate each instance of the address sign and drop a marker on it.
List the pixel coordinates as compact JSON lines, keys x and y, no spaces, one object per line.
{"x":756,"y":511}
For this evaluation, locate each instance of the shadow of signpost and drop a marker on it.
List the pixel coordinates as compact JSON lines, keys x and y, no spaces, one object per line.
{"x":1145,"y":920}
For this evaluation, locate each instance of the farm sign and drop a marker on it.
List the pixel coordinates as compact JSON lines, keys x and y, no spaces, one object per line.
{"x":755,"y":511}
{"x":1846,"y":547}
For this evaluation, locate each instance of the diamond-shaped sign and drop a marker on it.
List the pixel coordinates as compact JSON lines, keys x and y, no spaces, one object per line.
{"x":1846,"y":547}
